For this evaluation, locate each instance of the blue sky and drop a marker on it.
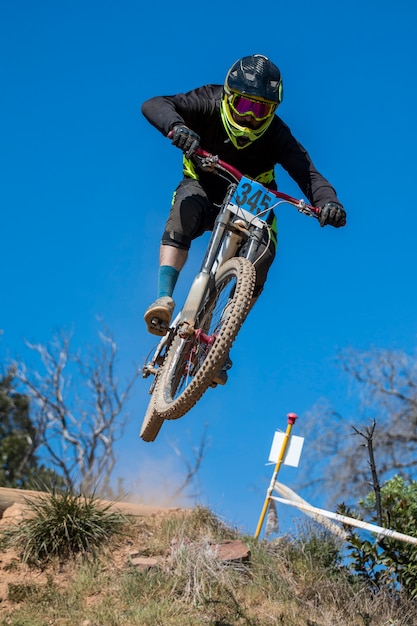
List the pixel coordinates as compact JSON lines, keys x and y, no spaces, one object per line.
{"x":86,"y":183}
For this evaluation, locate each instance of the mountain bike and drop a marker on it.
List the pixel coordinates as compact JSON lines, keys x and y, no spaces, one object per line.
{"x":199,"y":339}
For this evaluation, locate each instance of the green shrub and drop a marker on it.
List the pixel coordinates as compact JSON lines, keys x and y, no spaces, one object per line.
{"x":387,"y":562}
{"x":62,"y":525}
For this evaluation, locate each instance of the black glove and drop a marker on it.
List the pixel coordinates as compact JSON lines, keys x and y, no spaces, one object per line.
{"x":185,"y":139}
{"x":332,"y":214}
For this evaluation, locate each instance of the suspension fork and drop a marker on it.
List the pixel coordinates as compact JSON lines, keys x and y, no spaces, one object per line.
{"x":254,"y":242}
{"x":217,"y":236}
{"x":205,"y":278}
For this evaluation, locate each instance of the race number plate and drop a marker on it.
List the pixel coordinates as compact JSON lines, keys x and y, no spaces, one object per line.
{"x":253,"y":197}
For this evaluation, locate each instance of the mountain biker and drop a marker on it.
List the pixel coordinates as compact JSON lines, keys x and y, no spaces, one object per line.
{"x":236,"y":121}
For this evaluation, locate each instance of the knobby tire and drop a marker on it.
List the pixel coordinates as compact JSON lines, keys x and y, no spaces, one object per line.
{"x":190,"y":366}
{"x":152,"y":422}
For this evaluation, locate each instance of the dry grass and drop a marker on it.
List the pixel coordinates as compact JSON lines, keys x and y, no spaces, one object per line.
{"x":292,"y":582}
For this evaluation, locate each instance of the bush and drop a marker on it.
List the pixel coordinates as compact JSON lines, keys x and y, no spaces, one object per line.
{"x":62,"y":525}
{"x":386,"y":562}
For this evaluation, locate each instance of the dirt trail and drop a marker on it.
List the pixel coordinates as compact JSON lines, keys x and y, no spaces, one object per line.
{"x":8,"y":497}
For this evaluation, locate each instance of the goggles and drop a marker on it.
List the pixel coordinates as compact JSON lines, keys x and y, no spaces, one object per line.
{"x":259,"y":110}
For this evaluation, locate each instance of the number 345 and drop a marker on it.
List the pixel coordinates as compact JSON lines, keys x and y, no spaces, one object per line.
{"x":253,"y":197}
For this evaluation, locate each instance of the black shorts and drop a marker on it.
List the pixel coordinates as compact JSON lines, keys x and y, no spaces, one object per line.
{"x":190,"y":216}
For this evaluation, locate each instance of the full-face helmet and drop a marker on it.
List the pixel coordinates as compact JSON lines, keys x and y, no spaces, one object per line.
{"x":252,"y":91}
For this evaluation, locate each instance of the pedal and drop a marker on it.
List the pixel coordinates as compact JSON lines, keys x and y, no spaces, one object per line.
{"x":158,"y":327}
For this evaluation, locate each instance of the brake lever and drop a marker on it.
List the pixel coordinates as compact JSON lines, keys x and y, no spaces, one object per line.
{"x":208,"y":163}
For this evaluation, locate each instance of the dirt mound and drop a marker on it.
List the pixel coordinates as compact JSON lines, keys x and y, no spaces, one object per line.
{"x":14,"y":575}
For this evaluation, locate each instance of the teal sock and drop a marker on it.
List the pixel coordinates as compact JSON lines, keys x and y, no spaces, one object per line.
{"x":167,"y":280}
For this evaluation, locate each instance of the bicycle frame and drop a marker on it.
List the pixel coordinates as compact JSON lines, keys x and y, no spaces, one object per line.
{"x":234,"y":225}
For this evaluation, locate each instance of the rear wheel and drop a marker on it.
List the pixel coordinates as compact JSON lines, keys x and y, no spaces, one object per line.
{"x":193,"y":361}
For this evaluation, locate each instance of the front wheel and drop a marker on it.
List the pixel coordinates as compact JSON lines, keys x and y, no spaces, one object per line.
{"x":192,"y":362}
{"x":152,"y":422}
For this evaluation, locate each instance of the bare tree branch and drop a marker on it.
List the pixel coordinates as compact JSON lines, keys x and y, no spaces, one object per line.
{"x":368,"y":435}
{"x":384,"y":387}
{"x":78,"y":408}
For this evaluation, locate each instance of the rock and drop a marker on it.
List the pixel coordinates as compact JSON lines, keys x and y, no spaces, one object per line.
{"x":231,"y":550}
{"x":144,"y":562}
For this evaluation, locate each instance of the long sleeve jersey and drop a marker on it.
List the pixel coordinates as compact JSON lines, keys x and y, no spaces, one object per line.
{"x":199,"y":109}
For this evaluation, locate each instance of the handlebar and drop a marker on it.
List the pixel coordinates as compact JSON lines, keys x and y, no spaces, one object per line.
{"x":211,"y":161}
